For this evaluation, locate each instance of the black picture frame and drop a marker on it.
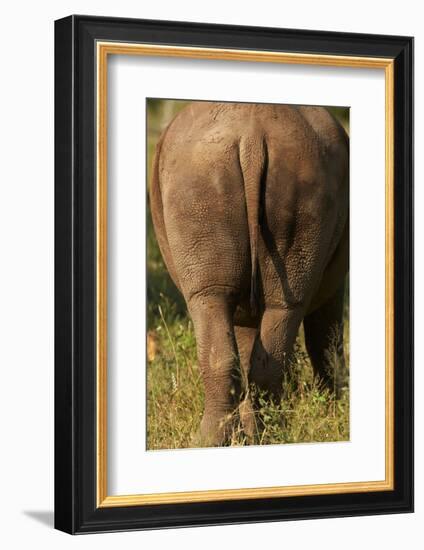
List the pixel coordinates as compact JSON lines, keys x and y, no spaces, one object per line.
{"x":76,"y":508}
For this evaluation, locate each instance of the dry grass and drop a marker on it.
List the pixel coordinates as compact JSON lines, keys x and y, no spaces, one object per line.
{"x":306,"y":413}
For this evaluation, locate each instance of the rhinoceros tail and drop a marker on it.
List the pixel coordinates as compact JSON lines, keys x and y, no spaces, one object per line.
{"x":253,"y":161}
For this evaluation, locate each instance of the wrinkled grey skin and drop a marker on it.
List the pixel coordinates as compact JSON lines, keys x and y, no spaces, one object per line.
{"x":250,"y":209}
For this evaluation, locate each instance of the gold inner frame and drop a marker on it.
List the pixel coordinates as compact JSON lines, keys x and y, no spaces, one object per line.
{"x":104,"y":49}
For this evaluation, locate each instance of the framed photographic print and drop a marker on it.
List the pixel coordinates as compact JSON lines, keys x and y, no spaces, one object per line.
{"x":234,"y":267}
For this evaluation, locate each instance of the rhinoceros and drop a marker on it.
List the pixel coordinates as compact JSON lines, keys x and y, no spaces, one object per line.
{"x":250,"y":208}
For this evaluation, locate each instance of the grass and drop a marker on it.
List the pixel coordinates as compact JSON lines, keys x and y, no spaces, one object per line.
{"x":306,"y":413}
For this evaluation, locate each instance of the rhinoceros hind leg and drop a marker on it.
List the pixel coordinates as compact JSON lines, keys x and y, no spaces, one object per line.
{"x":219,"y":366}
{"x":324,"y":342}
{"x":273,"y":348}
{"x":246,"y":337}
